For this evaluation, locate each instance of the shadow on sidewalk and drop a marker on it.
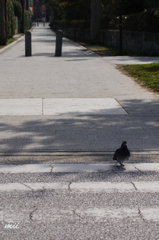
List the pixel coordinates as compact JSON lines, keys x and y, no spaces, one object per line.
{"x":82,"y":132}
{"x":43,"y":55}
{"x":43,"y":40}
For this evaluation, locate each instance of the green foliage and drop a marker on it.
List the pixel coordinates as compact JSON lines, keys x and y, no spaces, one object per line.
{"x":152,"y":4}
{"x":112,"y":7}
{"x":138,"y":15}
{"x":55,"y":8}
{"x":10,"y":40}
{"x":157,"y":13}
{"x":73,"y":23}
{"x":27,"y":20}
{"x":70,"y":10}
{"x":10,"y":19}
{"x":145,"y":21}
{"x":18,"y":12}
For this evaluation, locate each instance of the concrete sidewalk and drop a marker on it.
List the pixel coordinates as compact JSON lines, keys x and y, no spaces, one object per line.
{"x":75,"y":103}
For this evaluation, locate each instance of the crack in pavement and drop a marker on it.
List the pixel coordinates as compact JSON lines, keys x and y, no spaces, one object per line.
{"x":31,"y":213}
{"x":27,"y":186}
{"x":51,"y":170}
{"x":77,"y":214}
{"x":134,"y":185}
{"x":140,"y":214}
{"x":69,"y":186}
{"x":137,"y":168}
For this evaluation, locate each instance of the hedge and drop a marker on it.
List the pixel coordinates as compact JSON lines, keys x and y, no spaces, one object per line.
{"x":146,"y":21}
{"x":10,"y":19}
{"x":27,"y":20}
{"x":18,"y":13}
{"x":73,"y":23}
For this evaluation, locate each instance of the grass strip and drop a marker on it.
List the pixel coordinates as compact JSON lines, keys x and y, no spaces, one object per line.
{"x":146,"y":74}
{"x":99,"y":49}
{"x":104,"y":51}
{"x":10,"y":40}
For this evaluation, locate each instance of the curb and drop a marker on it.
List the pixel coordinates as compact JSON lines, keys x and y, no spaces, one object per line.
{"x":72,"y":153}
{"x":79,"y":167}
{"x":13,"y":43}
{"x":81,"y":48}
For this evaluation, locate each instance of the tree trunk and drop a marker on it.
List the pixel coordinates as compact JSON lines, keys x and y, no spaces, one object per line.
{"x":95,"y":20}
{"x":3,"y":35}
{"x":27,"y":4}
{"x":22,"y":25}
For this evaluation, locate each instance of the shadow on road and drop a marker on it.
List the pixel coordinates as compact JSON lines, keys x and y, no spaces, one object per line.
{"x":93,"y":132}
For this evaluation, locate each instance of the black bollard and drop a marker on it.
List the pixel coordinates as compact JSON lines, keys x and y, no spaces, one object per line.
{"x":58,"y":51}
{"x":44,"y":24}
{"x":37,"y":24}
{"x":28,"y":44}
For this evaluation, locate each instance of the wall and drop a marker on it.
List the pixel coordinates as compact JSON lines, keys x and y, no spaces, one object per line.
{"x":74,"y":33}
{"x":145,"y":42}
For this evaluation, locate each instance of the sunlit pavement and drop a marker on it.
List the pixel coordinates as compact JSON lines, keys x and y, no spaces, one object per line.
{"x":61,"y":119}
{"x":77,"y":102}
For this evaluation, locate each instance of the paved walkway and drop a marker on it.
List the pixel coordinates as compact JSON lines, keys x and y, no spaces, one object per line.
{"x":77,"y":102}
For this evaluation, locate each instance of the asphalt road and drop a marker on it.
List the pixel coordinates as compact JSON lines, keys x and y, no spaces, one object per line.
{"x":82,"y":205}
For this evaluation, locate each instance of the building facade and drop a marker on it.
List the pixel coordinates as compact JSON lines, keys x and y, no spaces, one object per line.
{"x":41,"y":11}
{"x":30,"y":3}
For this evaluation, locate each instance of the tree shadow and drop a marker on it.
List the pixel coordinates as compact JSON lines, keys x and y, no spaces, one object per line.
{"x":141,"y":106}
{"x":71,"y":54}
{"x":44,"y":41}
{"x":93,"y":132}
{"x":150,"y":68}
{"x":72,"y":60}
{"x":43,"y":54}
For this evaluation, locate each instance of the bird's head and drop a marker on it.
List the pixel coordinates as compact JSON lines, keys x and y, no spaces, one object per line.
{"x":124,"y":143}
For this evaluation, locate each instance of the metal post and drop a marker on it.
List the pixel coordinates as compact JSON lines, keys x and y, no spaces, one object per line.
{"x":121,"y":26}
{"x":58,"y":51}
{"x":28,"y":44}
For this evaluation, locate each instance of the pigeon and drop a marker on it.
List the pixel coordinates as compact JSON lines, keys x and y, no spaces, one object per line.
{"x":122,"y":154}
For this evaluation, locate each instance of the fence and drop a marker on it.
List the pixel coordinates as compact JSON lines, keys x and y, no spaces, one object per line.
{"x":145,"y":42}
